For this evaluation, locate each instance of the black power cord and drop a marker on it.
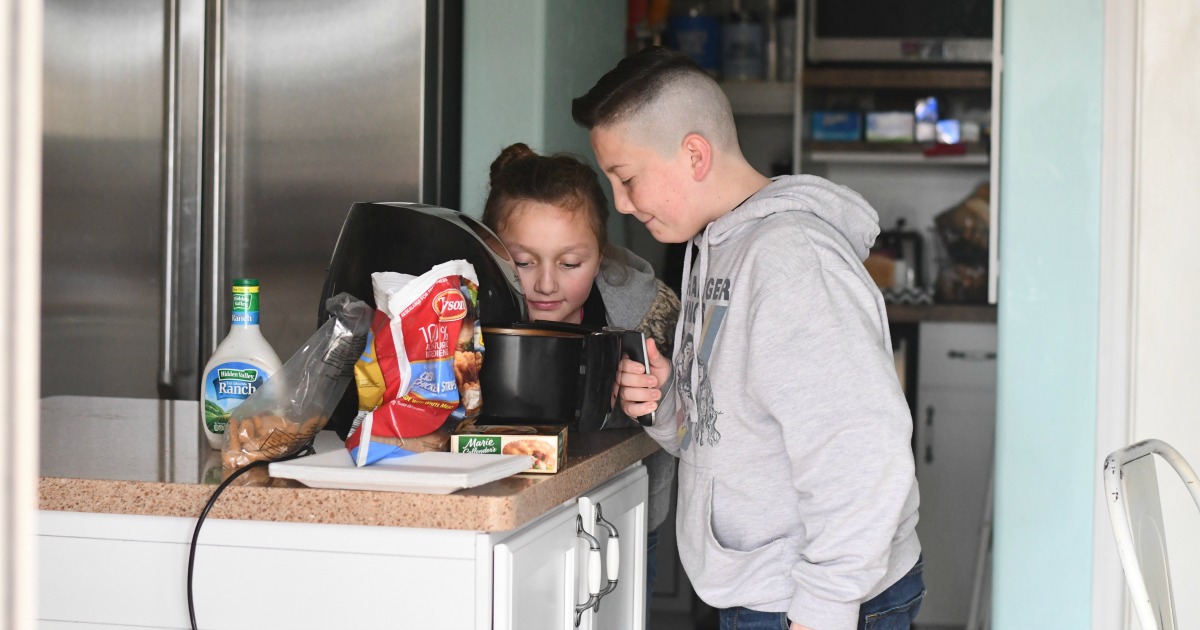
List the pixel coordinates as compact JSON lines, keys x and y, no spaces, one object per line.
{"x":306,"y":449}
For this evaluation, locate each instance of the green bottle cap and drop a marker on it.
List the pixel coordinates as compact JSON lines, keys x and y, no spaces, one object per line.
{"x":245,"y":282}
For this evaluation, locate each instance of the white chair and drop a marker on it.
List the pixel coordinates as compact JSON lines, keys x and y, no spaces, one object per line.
{"x":1131,"y":491}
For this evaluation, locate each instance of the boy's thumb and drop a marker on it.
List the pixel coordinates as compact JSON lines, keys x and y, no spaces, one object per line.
{"x":652,"y":352}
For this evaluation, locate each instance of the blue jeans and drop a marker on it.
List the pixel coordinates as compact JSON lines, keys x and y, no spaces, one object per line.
{"x":893,"y":609}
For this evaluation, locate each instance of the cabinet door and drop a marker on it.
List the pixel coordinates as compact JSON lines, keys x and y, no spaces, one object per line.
{"x":128,"y":571}
{"x":535,"y":574}
{"x":954,"y":428}
{"x":622,"y":505}
{"x":954,"y":457}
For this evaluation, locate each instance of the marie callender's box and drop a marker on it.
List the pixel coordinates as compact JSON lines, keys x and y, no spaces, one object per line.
{"x":547,"y":444}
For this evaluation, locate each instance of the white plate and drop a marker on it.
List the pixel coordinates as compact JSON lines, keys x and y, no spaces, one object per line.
{"x":428,"y":473}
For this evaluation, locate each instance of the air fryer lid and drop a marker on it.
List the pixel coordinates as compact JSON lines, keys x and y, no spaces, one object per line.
{"x":411,"y":238}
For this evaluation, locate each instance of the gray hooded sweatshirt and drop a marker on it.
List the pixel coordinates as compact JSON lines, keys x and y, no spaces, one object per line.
{"x":797,"y":491}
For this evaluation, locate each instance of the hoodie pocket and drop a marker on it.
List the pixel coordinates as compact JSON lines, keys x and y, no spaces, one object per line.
{"x":725,"y":577}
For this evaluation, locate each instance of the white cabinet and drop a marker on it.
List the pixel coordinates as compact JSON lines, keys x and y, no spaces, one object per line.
{"x":546,"y":573}
{"x":954,"y":428}
{"x":618,"y":507}
{"x":110,"y":570}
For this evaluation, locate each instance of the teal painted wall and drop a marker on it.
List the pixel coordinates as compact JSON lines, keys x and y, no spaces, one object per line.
{"x":503,"y":79}
{"x":1048,"y":313}
{"x":523,"y":62}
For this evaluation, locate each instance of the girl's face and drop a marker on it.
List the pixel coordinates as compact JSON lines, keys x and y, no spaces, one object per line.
{"x":557,"y":257}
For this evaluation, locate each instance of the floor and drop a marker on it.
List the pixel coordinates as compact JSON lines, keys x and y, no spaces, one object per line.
{"x":670,"y":621}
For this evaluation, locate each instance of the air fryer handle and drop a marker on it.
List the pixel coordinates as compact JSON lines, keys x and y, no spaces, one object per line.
{"x":601,"y":355}
{"x":633,"y":343}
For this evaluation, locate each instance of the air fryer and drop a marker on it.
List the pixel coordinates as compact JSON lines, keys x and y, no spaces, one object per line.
{"x":549,"y":373}
{"x":411,"y":238}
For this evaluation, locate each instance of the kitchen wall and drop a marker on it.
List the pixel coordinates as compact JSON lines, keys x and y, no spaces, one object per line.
{"x":523,"y":62}
{"x":1049,"y":250}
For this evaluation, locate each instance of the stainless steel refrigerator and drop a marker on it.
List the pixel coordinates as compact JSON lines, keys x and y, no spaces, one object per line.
{"x":189,"y":142}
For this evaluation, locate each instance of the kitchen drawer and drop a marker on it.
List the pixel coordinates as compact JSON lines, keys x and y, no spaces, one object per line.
{"x":957,"y":355}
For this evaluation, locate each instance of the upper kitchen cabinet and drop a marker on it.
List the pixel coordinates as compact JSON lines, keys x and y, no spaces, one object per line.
{"x":897,"y":101}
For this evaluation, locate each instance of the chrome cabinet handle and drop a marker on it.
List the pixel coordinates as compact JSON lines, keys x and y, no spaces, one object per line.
{"x":972,"y":355}
{"x":612,"y":565}
{"x":593,"y":569}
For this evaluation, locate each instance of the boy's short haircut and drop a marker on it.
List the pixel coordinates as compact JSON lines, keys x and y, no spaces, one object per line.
{"x":665,"y":95}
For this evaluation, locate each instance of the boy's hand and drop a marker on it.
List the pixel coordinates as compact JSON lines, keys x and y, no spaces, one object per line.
{"x":640,"y":392}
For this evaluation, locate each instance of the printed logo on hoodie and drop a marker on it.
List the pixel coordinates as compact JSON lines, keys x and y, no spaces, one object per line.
{"x":700,"y":413}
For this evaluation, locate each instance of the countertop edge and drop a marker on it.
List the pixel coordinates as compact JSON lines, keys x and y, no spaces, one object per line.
{"x":472,"y":509}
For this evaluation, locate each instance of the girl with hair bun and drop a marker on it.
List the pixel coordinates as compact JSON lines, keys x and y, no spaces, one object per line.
{"x":552,"y":215}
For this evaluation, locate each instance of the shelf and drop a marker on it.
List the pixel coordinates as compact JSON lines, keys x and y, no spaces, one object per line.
{"x":863,"y":157}
{"x":909,"y":314}
{"x":888,"y":153}
{"x":900,"y":78}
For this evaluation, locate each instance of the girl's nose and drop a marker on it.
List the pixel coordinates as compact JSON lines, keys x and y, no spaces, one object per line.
{"x":545,"y":282}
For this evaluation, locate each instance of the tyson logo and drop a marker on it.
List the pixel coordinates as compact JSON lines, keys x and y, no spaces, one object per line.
{"x":450,"y":305}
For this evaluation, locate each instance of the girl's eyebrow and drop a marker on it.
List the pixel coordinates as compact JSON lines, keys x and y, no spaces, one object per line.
{"x":566,"y":250}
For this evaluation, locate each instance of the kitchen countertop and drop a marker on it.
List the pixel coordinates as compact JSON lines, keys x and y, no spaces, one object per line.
{"x":917,"y":313}
{"x":148,"y":457}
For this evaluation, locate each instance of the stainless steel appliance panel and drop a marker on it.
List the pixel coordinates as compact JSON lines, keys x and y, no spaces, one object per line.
{"x":318,"y":103}
{"x":187,"y":142}
{"x":103,"y":193}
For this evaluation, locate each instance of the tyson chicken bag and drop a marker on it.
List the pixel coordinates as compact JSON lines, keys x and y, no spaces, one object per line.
{"x":418,"y":378}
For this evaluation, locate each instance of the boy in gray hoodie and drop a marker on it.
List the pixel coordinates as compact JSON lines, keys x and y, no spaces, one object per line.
{"x":797,"y":495}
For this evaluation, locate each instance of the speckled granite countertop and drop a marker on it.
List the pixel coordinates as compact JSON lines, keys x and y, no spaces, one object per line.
{"x":138,"y":456}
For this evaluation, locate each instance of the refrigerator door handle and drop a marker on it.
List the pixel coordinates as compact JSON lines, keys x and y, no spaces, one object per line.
{"x":215,"y":285}
{"x":168,"y":387}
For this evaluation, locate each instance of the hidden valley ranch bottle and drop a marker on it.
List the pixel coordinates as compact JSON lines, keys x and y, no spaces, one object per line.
{"x":241,"y":364}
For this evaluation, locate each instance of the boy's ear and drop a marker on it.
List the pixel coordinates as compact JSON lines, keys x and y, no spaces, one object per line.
{"x":699,"y":154}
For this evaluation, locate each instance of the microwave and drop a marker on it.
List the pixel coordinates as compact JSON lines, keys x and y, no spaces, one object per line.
{"x":900,"y":31}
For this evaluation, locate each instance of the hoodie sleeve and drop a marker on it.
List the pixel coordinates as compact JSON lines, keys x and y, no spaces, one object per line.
{"x":842,"y":413}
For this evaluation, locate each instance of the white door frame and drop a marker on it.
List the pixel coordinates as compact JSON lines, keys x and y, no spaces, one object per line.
{"x":20,"y":304}
{"x":1118,"y":291}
